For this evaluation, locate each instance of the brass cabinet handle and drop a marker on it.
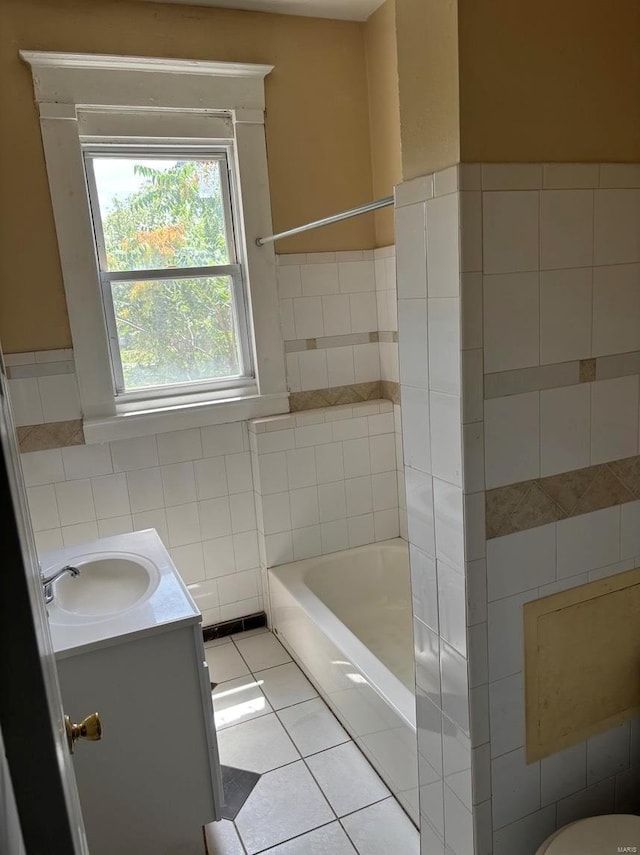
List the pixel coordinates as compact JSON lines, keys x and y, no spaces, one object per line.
{"x":89,"y":728}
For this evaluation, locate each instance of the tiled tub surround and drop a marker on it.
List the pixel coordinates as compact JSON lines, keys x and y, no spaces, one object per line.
{"x":346,"y":618}
{"x":339,"y":322}
{"x":549,"y":332}
{"x":316,"y":793}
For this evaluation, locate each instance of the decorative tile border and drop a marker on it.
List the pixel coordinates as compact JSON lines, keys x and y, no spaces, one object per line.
{"x":50,"y":435}
{"x":231,"y":627}
{"x":350,"y":339}
{"x":335,"y":395}
{"x":556,"y":375}
{"x":390,"y":390}
{"x":528,"y":504}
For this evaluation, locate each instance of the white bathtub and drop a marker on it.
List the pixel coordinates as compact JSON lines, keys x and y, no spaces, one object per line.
{"x":346,"y":619}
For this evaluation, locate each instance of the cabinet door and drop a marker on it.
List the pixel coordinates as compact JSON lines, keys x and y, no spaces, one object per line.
{"x":207,"y":704}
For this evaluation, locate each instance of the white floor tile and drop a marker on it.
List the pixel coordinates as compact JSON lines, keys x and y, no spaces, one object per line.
{"x":346,"y":778}
{"x":225,"y":663}
{"x":285,"y":685}
{"x":267,"y":817}
{"x":222,"y":838}
{"x":249,"y":633}
{"x":312,"y":726}
{"x":217,"y":642}
{"x":381,"y":829}
{"x":328,"y":840}
{"x":262,"y":651}
{"x":259,"y":745}
{"x":237,"y":701}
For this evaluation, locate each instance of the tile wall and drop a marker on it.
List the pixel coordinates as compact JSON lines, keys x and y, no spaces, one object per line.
{"x":550,"y":319}
{"x":338,"y":313}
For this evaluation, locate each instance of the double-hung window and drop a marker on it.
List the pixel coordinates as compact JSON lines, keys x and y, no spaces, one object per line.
{"x":159,"y":185}
{"x":170,"y":267}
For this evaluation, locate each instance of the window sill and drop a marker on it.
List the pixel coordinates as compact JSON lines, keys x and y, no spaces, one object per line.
{"x":142,"y":423}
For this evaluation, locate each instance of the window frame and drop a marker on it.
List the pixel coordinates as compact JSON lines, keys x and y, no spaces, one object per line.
{"x":85,"y":98}
{"x":234,"y":269}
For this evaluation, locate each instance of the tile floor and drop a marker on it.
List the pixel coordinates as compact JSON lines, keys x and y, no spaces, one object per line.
{"x":318,"y":795}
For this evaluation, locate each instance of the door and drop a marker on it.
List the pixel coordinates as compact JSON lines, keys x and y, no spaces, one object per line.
{"x":42,"y":783}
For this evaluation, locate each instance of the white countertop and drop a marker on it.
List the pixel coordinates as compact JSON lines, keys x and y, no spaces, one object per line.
{"x":166,"y":604}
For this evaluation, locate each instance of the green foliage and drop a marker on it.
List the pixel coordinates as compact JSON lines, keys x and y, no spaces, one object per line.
{"x":174,"y":330}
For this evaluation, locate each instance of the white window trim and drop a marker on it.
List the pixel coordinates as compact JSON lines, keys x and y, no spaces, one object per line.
{"x":65,"y":86}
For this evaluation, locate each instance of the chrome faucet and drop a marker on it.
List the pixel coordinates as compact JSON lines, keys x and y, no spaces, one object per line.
{"x":48,"y":582}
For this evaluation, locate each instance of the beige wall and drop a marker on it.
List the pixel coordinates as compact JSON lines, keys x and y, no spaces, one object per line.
{"x":550,"y":81}
{"x":427,"y":33}
{"x":317,"y":130}
{"x":384,"y":112}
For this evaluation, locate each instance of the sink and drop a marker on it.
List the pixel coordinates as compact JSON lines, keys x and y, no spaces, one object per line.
{"x":106,"y":585}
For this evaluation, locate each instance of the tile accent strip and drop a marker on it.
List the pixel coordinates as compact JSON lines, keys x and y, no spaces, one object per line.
{"x":231,"y":627}
{"x":326,"y":342}
{"x":558,"y":374}
{"x":50,"y":435}
{"x":331,"y":397}
{"x":528,"y":504}
{"x":390,"y":390}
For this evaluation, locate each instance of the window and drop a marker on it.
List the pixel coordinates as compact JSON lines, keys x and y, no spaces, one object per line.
{"x":171,"y":275}
{"x":159,"y":185}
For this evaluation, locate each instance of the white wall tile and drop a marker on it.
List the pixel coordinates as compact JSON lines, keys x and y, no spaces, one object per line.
{"x":300,"y":466}
{"x":223,"y":439}
{"x":566,"y":228}
{"x":511,"y":321}
{"x":386,"y":524}
{"x":306,"y":542}
{"x":219,"y":556}
{"x":180,"y":445}
{"x":511,"y":176}
{"x":448,"y":513}
{"x":360,"y":530}
{"x":319,"y":279}
{"x":616,"y":309}
{"x":329,"y":462}
{"x":115,"y":525}
{"x":614,"y":419}
{"x":473,"y":386}
{"x":446,"y":438}
{"x":313,"y":369}
{"x":518,"y":562}
{"x":43,"y":507}
{"x":183,"y":523}
{"x":564,"y":429}
{"x":239,"y":475}
{"x":570,"y":176}
{"x":471,"y":310}
{"x":340,"y":366}
{"x":565,"y":315}
{"x":312,"y":434}
{"x":452,"y":607}
{"x":356,"y":457}
{"x":563,"y":773}
{"x":413,"y":343}
{"x":277,"y":514}
{"x":617,"y":226}
{"x":189,"y":561}
{"x":239,"y":586}
{"x":79,"y":533}
{"x":289,"y":281}
{"x":512,"y":439}
{"x":527,"y":834}
{"x":443,"y":246}
{"x":287,"y":321}
{"x":474,"y":526}
{"x":411,"y":257}
{"x":25,"y":401}
{"x":359,"y":496}
{"x":608,"y":753}
{"x":366,"y":359}
{"x":473,"y":457}
{"x":455,"y":686}
{"x":420,"y":513}
{"x":293,"y":372}
{"x":510,"y":231}
{"x":85,"y":461}
{"x":356,"y":276}
{"x":138,"y":453}
{"x":385,"y":491}
{"x":588,"y":541}
{"x":215,"y":517}
{"x":60,"y":398}
{"x":416,"y":430}
{"x":304,"y":508}
{"x":42,"y":467}
{"x":153,"y":519}
{"x":364,"y":312}
{"x":594,"y":800}
{"x":145,"y":489}
{"x":48,"y":540}
{"x":335,"y":313}
{"x":75,"y":502}
{"x":471,"y":230}
{"x":243,"y":512}
{"x":308,"y":317}
{"x":630,"y":530}
{"x":110,"y":495}
{"x":332,"y":501}
{"x":382,"y":449}
{"x":245,"y":550}
{"x":516,"y":787}
{"x":506,"y":704}
{"x":444,"y":345}
{"x":334,"y":536}
{"x":178,"y":483}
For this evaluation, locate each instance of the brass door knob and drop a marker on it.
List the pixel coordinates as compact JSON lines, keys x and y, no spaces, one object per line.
{"x":89,"y":728}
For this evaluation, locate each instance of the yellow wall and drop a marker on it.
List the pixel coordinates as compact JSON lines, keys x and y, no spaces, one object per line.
{"x":384,"y":112}
{"x":317,"y":130}
{"x":554,"y":80}
{"x":428,"y":74}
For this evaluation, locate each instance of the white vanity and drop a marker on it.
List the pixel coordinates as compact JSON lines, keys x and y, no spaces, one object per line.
{"x":128,"y":645}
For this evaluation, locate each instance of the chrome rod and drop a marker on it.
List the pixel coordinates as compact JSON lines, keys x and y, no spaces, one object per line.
{"x":327,"y":221}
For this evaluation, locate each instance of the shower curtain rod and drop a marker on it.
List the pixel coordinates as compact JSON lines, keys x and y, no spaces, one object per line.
{"x":336,"y":218}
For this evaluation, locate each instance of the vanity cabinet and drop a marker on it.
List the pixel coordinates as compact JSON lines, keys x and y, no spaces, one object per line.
{"x":153,"y":781}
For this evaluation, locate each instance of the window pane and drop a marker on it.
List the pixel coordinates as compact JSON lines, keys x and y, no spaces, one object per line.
{"x":176,"y":331}
{"x":161,"y":212}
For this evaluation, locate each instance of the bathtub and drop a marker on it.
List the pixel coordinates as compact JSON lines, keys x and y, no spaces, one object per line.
{"x":346,"y":619}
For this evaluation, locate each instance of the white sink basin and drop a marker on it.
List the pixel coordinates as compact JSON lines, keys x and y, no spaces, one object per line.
{"x":106,"y":585}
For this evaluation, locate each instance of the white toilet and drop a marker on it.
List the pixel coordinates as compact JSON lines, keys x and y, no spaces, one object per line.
{"x":597,"y":835}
